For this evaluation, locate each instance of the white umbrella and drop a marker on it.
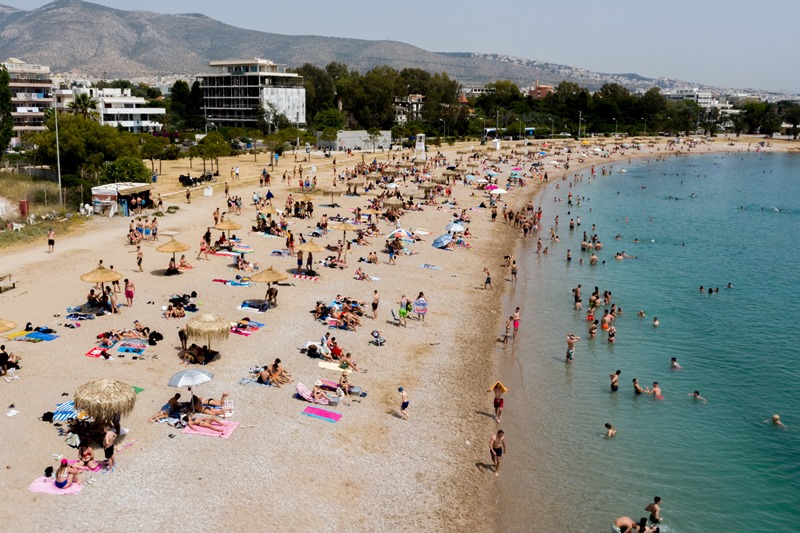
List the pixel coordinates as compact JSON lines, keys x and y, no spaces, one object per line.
{"x":498,"y":191}
{"x":391,"y":185}
{"x":187,"y":378}
{"x":455,"y":227}
{"x":481,"y":180}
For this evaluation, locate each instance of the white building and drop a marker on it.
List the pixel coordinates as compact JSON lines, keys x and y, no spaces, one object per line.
{"x":701,"y":98}
{"x":116,"y":107}
{"x":31,"y":95}
{"x":356,"y":140}
{"x":236,"y":89}
{"x":408,"y":109}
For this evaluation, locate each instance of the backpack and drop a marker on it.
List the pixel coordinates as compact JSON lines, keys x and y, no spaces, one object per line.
{"x":47,"y":417}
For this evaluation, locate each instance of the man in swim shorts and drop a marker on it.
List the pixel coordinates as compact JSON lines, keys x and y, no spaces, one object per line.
{"x":51,"y":240}
{"x":497,"y":447}
{"x":655,"y":510}
{"x":498,"y":401}
{"x":404,"y":402}
{"x":571,"y":341}
{"x":487,"y":284}
{"x":615,"y":380}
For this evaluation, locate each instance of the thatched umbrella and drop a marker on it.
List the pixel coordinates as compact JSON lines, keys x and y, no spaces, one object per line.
{"x":463,"y":152}
{"x":473,"y":165}
{"x":405,"y":164}
{"x":390,"y":171}
{"x":374,"y":176}
{"x":333,"y":192}
{"x":270,"y":210}
{"x":228,"y":225}
{"x":269,"y":275}
{"x":440,"y":179}
{"x":310,"y":247}
{"x":208,"y":327}
{"x":393,"y":202}
{"x":101,"y":275}
{"x":305,"y":198}
{"x":6,"y":325}
{"x":105,"y":399}
{"x":345,"y":227}
{"x":173,"y":247}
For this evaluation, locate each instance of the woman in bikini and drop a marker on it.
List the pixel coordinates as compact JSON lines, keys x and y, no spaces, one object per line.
{"x":86,"y":457}
{"x":66,"y":475}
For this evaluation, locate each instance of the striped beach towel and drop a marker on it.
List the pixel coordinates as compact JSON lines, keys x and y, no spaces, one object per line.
{"x":303,"y":276}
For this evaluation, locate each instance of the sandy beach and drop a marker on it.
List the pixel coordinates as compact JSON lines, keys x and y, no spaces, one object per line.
{"x":371,"y":470}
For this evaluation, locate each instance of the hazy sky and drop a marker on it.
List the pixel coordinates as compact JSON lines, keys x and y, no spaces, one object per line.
{"x":734,"y":43}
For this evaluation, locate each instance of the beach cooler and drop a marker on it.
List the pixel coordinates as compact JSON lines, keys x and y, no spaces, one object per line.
{"x":208,"y":191}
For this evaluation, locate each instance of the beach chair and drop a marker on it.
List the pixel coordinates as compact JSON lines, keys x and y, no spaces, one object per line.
{"x":305,"y":393}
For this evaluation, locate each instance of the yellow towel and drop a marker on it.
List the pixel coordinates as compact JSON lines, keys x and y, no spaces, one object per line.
{"x":498,"y":384}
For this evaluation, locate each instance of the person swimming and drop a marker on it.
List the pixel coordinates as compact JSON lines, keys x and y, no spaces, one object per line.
{"x":656,"y":391}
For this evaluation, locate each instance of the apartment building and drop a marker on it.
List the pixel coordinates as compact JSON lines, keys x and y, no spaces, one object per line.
{"x":31,"y":95}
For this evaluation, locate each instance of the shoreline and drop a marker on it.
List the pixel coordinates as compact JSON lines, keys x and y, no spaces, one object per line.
{"x":370,"y":461}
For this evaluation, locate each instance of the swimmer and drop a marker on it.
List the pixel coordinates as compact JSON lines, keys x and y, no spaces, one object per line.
{"x":656,"y":391}
{"x":775,"y":421}
{"x":673,"y":364}
{"x":615,"y":380}
{"x":641,"y":314}
{"x":729,"y":285}
{"x":656,"y":323}
{"x":655,"y":510}
{"x":610,"y":430}
{"x":696,"y":396}
{"x":637,"y":389}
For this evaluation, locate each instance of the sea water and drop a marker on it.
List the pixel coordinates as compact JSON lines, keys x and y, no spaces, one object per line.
{"x":701,"y":220}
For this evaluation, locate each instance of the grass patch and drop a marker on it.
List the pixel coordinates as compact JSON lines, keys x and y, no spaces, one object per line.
{"x":38,"y":232}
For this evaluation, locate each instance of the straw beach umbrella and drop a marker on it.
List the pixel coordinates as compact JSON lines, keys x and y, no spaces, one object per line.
{"x":101,"y":275}
{"x":208,"y":327}
{"x":308,"y":247}
{"x":228,"y":225}
{"x":269,"y":275}
{"x":105,"y":399}
{"x":270,"y":210}
{"x":6,"y":325}
{"x":393,"y":202}
{"x":173,"y":247}
{"x":305,"y":198}
{"x":333,"y":192}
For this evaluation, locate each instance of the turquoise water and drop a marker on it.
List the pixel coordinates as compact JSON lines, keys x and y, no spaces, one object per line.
{"x":717,"y":466}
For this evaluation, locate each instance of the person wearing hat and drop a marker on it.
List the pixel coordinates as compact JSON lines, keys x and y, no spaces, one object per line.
{"x":317,"y":393}
{"x":66,"y":475}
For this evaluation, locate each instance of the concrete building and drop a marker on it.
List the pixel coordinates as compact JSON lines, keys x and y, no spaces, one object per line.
{"x":540,"y":91}
{"x":31,"y":95}
{"x":234,"y":91}
{"x":408,"y":109}
{"x":356,"y":140}
{"x":701,"y":98}
{"x":116,"y":107}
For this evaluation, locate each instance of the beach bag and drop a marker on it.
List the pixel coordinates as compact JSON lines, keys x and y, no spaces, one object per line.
{"x":47,"y":417}
{"x":48,"y":472}
{"x":409,"y":307}
{"x":313,"y":351}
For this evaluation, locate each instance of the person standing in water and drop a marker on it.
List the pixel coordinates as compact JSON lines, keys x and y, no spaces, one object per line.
{"x":516,"y":318}
{"x":499,"y":390}
{"x":655,"y":510}
{"x":615,"y":380}
{"x":572,"y":340}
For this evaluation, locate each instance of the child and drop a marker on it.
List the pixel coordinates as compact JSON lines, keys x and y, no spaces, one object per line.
{"x":404,"y":404}
{"x":508,"y":329}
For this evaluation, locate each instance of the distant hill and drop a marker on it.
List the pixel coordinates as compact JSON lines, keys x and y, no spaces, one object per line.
{"x":77,"y":37}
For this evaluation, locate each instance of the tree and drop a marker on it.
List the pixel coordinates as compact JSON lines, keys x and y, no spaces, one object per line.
{"x":126,"y":168}
{"x":84,"y":105}
{"x":6,"y":121}
{"x":320,"y":90}
{"x":373,"y":136}
{"x":791,"y":114}
{"x":178,"y":103}
{"x":193,"y":116}
{"x":152,"y":148}
{"x":215,"y":146}
{"x":329,"y":118}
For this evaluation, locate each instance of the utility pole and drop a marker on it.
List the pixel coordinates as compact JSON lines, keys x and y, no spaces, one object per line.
{"x":58,"y":162}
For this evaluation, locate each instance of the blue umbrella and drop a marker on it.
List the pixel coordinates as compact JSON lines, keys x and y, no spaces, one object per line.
{"x":443,"y":241}
{"x":469,"y":177}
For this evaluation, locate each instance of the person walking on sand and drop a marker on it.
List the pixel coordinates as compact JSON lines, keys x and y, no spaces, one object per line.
{"x":51,"y":240}
{"x":499,"y":390}
{"x":403,"y":402}
{"x":403,"y":311}
{"x":188,"y":195}
{"x":129,"y":290}
{"x":487,"y":284}
{"x":376,"y":299}
{"x":108,"y":447}
{"x":139,"y":257}
{"x":497,"y":447}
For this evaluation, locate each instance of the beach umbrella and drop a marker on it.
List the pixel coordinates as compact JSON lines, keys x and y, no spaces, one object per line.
{"x":427,"y":185}
{"x":449,"y":173}
{"x":473,"y":165}
{"x":190,"y":377}
{"x":392,"y":185}
{"x":345,"y":227}
{"x":442,"y":241}
{"x":481,"y":181}
{"x":393,"y":202}
{"x":374,"y":175}
{"x":440,"y":180}
{"x":308,"y":247}
{"x":455,"y":227}
{"x":270,"y":210}
{"x":390,"y":171}
{"x":405,"y":164}
{"x":498,"y":191}
{"x":270,"y":275}
{"x":105,"y":399}
{"x":463,"y":152}
{"x":305,"y":198}
{"x":492,"y":187}
{"x":371,"y":211}
{"x":491,"y":173}
{"x":101,"y":275}
{"x":356,"y":182}
{"x":208,"y":327}
{"x":333,"y":192}
{"x":402,"y":234}
{"x":173,"y":247}
{"x":6,"y":325}
{"x":228,"y":225}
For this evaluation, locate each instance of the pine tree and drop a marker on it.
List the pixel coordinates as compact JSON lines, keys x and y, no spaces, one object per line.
{"x":6,"y":122}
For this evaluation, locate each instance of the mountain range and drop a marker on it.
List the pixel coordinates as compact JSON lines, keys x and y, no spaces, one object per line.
{"x":82,"y":39}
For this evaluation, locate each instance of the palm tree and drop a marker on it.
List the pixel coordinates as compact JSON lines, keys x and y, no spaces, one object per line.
{"x":83,"y":104}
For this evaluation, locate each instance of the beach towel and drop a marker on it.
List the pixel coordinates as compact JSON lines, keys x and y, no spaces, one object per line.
{"x":430,"y":267}
{"x":96,"y":352}
{"x":12,"y":336}
{"x":301,"y":276}
{"x":420,"y":307}
{"x":333,"y":385}
{"x":65,"y":411}
{"x":241,"y":332}
{"x":135,"y":343}
{"x":224,"y":253}
{"x":79,"y":316}
{"x":282,"y":253}
{"x":129,"y":349}
{"x":228,"y":427}
{"x":305,"y":393}
{"x":232,"y":282}
{"x":322,"y":414}
{"x":46,"y":485}
{"x":268,"y":235}
{"x":251,"y":381}
{"x":333,"y":366}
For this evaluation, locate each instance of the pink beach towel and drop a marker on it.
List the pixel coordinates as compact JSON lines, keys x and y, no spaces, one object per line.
{"x":228,"y":427}
{"x":324,"y":414}
{"x":301,"y":276}
{"x":47,"y":486}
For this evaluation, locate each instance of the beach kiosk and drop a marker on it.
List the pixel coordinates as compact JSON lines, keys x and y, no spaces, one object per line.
{"x":108,"y":199}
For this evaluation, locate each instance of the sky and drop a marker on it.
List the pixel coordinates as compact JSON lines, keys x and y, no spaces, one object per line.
{"x":729,"y":43}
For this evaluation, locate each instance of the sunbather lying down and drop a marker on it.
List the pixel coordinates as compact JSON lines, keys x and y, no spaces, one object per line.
{"x":171,"y":409}
{"x":210,"y":406}
{"x":209,"y":422}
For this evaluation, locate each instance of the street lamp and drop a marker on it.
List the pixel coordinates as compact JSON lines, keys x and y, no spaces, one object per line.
{"x":615,"y":126}
{"x":58,"y":162}
{"x":443,"y":126}
{"x":520,"y":127}
{"x":483,"y":131}
{"x":552,"y":129}
{"x":645,"y":126}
